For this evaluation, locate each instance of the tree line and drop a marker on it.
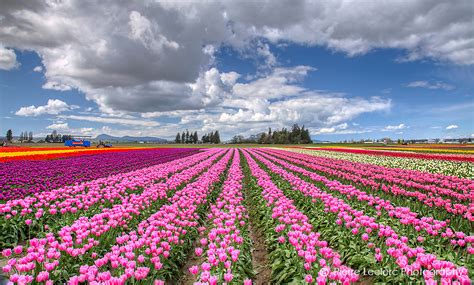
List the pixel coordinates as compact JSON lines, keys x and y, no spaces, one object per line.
{"x":55,"y":137}
{"x":296,"y":135}
{"x":192,"y":138}
{"x":24,"y":136}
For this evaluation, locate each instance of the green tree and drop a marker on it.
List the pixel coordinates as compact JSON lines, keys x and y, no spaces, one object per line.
{"x":268,"y":139}
{"x":216,"y":137}
{"x":295,"y":135}
{"x":9,"y":135}
{"x":305,"y":136}
{"x":178,"y":138}
{"x":195,"y":137}
{"x":187,"y":136}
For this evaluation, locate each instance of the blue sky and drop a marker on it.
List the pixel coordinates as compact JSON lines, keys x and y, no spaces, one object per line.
{"x":138,"y":76}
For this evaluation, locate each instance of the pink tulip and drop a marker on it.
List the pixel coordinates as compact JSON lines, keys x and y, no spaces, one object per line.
{"x":194,"y":270}
{"x":42,"y":276}
{"x":7,"y":268}
{"x":228,"y":277}
{"x":198,"y":251}
{"x":18,"y":249}
{"x":7,"y":252}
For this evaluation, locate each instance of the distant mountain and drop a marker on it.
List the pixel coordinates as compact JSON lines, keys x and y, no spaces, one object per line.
{"x":105,"y":137}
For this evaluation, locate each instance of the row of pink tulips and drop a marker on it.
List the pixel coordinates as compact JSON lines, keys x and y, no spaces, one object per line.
{"x":408,"y":178}
{"x":429,"y":225}
{"x":461,"y":190}
{"x":85,"y":234}
{"x":396,"y":246}
{"x":84,"y":229}
{"x":50,"y":210}
{"x":145,"y":250}
{"x":297,"y":231}
{"x":224,"y":243}
{"x":71,"y":199}
{"x":349,"y":169}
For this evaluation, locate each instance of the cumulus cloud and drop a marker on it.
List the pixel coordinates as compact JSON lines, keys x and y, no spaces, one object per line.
{"x":142,"y":30}
{"x":53,"y":107}
{"x":260,"y":53}
{"x":314,"y":110}
{"x":7,"y":59}
{"x":433,"y":29}
{"x":430,"y":85}
{"x":333,"y":130}
{"x":276,"y":100}
{"x":157,"y":57}
{"x":391,"y":128}
{"x":58,"y":126}
{"x":38,"y":68}
{"x":278,"y":84}
{"x":150,"y":53}
{"x":452,"y":127}
{"x":263,"y":50}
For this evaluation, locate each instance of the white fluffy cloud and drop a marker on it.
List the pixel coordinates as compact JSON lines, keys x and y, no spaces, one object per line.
{"x":440,"y":30}
{"x":7,"y":58}
{"x":53,"y":107}
{"x":58,"y":126}
{"x":391,"y":128}
{"x":279,"y":83}
{"x":144,"y":55}
{"x":277,"y":100}
{"x":452,"y":127}
{"x":430,"y":85}
{"x":156,"y":57}
{"x":38,"y":68}
{"x":333,"y":130}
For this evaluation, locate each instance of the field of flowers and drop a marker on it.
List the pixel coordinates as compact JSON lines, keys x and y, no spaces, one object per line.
{"x":26,"y":153}
{"x":236,"y":216}
{"x":445,"y":167}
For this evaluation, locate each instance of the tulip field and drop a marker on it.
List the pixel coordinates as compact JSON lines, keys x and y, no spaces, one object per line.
{"x":236,"y":216}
